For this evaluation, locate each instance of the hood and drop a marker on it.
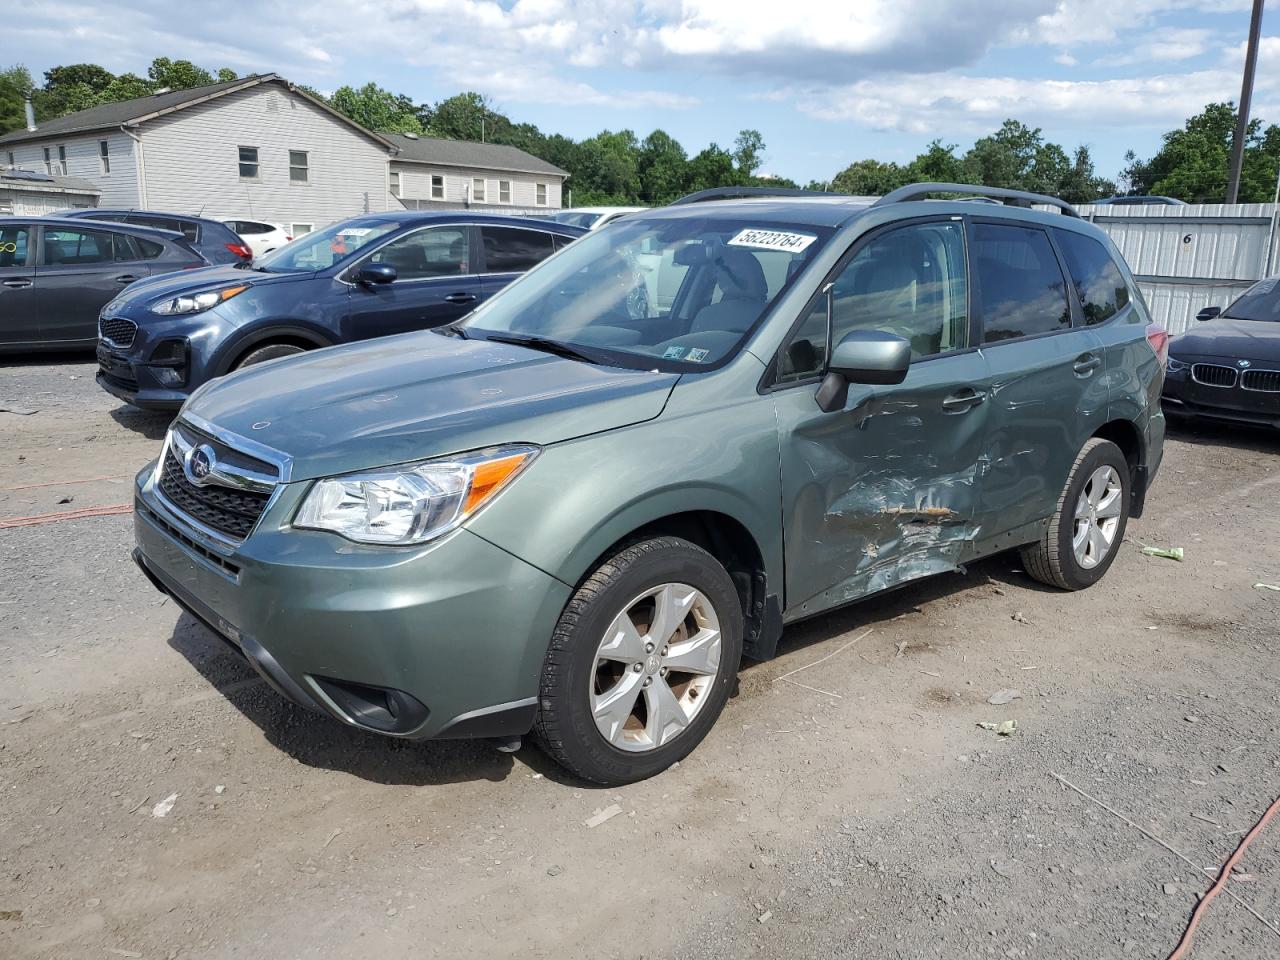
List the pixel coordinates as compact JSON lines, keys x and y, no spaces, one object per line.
{"x":185,"y":282}
{"x":1224,"y":337}
{"x":421,"y":395}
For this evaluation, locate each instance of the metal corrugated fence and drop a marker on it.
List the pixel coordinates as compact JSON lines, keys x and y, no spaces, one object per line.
{"x":1188,"y":258}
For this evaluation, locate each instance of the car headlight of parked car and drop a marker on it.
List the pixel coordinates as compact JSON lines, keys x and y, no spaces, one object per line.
{"x":414,"y":502}
{"x":1176,"y":366}
{"x":196,"y":302}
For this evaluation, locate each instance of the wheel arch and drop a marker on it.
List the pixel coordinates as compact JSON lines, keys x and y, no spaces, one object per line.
{"x":1126,"y":435}
{"x":297,"y":333}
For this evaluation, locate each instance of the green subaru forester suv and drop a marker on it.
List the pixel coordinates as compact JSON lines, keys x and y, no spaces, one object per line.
{"x":577,"y":510}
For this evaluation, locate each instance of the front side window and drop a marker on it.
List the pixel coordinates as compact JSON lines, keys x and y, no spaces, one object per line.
{"x":324,"y":248}
{"x":909,"y":282}
{"x":13,"y":246}
{"x":437,"y":187}
{"x":477,"y":190}
{"x":77,"y":247}
{"x":104,"y":155}
{"x":1022,"y":287}
{"x":298,"y":172}
{"x":249,"y":163}
{"x":1098,"y":281}
{"x":435,"y":252}
{"x":509,"y":250}
{"x":504,"y":191}
{"x":676,"y":294}
{"x":541,"y":195}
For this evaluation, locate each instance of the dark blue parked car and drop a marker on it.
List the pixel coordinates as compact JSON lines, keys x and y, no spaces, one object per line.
{"x":216,"y":242}
{"x":366,"y":277}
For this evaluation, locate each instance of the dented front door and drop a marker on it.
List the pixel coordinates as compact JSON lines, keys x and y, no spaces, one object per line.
{"x":886,"y":489}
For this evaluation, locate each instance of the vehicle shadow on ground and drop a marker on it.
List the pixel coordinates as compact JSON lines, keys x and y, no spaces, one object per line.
{"x":151,"y":424}
{"x":1205,"y":433}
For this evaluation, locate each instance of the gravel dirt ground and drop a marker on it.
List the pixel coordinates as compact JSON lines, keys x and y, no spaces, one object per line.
{"x":864,"y":814}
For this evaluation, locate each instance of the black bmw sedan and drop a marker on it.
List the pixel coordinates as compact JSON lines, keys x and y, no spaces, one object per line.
{"x":1228,"y":368}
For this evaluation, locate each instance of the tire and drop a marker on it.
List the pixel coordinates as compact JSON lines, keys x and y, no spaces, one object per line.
{"x":581,"y":671}
{"x":272,"y":351}
{"x":1054,"y":559}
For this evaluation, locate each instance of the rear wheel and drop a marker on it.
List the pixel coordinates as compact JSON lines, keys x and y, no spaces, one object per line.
{"x":641,"y":663}
{"x":271,"y":351}
{"x":1086,"y":530}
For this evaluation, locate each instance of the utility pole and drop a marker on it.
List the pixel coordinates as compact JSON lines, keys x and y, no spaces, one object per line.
{"x":1246,"y":94}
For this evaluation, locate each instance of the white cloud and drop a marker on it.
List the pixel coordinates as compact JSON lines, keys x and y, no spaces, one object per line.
{"x":1160,"y":47}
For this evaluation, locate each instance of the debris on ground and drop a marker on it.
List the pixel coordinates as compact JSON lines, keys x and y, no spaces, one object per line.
{"x":600,"y":816}
{"x":333,"y":835}
{"x":67,"y":499}
{"x":1172,"y":553}
{"x":1266,"y":586}
{"x":12,"y":916}
{"x":1171,"y":888}
{"x":220,"y":789}
{"x":554,"y":871}
{"x":1006,"y":869}
{"x":1005,"y":728}
{"x":1001,"y":697}
{"x":162,"y":808}
{"x":1020,"y":618}
{"x":764,"y":917}
{"x":15,"y":409}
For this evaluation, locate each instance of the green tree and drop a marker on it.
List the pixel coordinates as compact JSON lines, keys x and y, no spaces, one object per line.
{"x":713,"y":167}
{"x":15,"y":83}
{"x":870,"y":178}
{"x":747,"y":148}
{"x":377,"y":109}
{"x":464,"y":116}
{"x":177,"y":74}
{"x":226,"y":75}
{"x":938,"y":164}
{"x":663,"y":168}
{"x":127,"y":86}
{"x":608,"y":171}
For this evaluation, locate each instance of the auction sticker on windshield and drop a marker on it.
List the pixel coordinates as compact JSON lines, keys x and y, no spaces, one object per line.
{"x":772,"y":240}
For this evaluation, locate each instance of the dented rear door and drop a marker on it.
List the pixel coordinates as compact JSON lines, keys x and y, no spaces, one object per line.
{"x":885,"y":490}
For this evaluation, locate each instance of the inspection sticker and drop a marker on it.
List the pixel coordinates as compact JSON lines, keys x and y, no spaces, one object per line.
{"x":355,"y":232}
{"x":772,"y":240}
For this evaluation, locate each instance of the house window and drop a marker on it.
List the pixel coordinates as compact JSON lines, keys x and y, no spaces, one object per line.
{"x":437,"y":187}
{"x":104,"y":153}
{"x":542,"y":195}
{"x":297,"y":166}
{"x":300,"y":228}
{"x":48,"y":162}
{"x":504,"y":191}
{"x":11,"y":163}
{"x":62,"y":160}
{"x":477,"y":190}
{"x":248,"y":163}
{"x":395,"y":183}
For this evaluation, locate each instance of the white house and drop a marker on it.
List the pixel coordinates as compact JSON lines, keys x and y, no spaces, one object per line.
{"x":261,"y":148}
{"x":27,"y":193}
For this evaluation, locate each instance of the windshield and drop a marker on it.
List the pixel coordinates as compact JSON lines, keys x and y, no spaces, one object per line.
{"x":324,"y":248}
{"x":1260,"y":302}
{"x":675,"y":294}
{"x":576,"y":218}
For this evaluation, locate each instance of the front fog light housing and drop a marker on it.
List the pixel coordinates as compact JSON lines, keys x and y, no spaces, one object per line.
{"x":415,"y":502}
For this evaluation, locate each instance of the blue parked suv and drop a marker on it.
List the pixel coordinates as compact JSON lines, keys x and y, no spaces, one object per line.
{"x":366,"y":277}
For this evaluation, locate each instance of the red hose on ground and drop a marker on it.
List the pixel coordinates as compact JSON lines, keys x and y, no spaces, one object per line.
{"x":1223,"y":877}
{"x":110,"y":511}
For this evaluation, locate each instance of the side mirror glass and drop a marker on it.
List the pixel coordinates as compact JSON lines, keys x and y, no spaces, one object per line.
{"x":863,"y":356}
{"x":375,"y":273}
{"x":1208,"y":313}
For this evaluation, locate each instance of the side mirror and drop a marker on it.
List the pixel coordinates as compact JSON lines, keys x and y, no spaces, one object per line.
{"x":863,"y":356}
{"x":1208,"y":313}
{"x":372,"y":274}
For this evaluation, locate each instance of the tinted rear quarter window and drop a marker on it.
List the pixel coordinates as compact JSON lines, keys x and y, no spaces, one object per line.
{"x":148,"y":249}
{"x":1098,"y":281}
{"x":77,"y":247}
{"x":1023,"y":292}
{"x":512,"y":250}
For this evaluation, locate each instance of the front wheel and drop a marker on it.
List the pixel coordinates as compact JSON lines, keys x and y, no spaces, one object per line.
{"x":641,"y":663}
{"x":1085,"y":532}
{"x":272,"y":351}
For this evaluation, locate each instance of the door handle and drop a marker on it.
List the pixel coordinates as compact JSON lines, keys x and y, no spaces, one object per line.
{"x":963,"y":401}
{"x":1086,"y":364}
{"x":17,"y":283}
{"x":461,"y":298}
{"x":126,"y":278}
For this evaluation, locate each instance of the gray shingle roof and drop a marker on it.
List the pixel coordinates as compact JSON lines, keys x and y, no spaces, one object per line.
{"x":31,"y":180}
{"x":466,"y":153}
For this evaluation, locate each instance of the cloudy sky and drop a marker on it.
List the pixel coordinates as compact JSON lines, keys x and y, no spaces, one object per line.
{"x":825,"y":82}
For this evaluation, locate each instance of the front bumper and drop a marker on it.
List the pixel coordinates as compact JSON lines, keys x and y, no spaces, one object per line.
{"x":444,"y":640}
{"x":1185,"y":396}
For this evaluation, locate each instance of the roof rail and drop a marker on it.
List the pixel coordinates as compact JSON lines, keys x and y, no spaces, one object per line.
{"x":1016,"y":198}
{"x":739,"y":193}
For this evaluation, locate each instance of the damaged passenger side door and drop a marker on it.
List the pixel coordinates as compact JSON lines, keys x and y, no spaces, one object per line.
{"x":884,"y":488}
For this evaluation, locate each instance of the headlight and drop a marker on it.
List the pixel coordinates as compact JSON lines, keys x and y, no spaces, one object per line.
{"x":197,"y":302}
{"x":1176,"y":366}
{"x":415,"y":502}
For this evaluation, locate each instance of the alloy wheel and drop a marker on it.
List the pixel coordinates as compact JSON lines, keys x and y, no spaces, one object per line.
{"x":1097,"y":517}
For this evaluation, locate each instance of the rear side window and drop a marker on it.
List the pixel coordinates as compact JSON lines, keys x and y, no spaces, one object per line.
{"x":77,"y":247}
{"x":189,"y":230}
{"x":13,"y":246}
{"x":1022,"y":287}
{"x":510,"y":250}
{"x":148,"y":249}
{"x":1099,"y":283}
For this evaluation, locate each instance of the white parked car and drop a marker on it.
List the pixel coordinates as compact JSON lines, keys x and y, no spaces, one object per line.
{"x":593,"y":218}
{"x":262,"y":237}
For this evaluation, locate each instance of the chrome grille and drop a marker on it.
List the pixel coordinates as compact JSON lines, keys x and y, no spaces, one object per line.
{"x":1267,"y":381}
{"x":117,"y":330}
{"x":229,"y":497}
{"x":1213,"y":375}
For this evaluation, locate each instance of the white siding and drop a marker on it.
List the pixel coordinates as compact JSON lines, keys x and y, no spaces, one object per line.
{"x":415,"y":184}
{"x":119,"y":187}
{"x":38,"y":203}
{"x":191,"y":159}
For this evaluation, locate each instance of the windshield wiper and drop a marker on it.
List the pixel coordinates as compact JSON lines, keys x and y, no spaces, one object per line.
{"x":556,"y":347}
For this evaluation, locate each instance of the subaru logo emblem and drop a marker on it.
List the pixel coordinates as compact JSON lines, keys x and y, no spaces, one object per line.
{"x":200,"y":463}
{"x":1244,"y":363}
